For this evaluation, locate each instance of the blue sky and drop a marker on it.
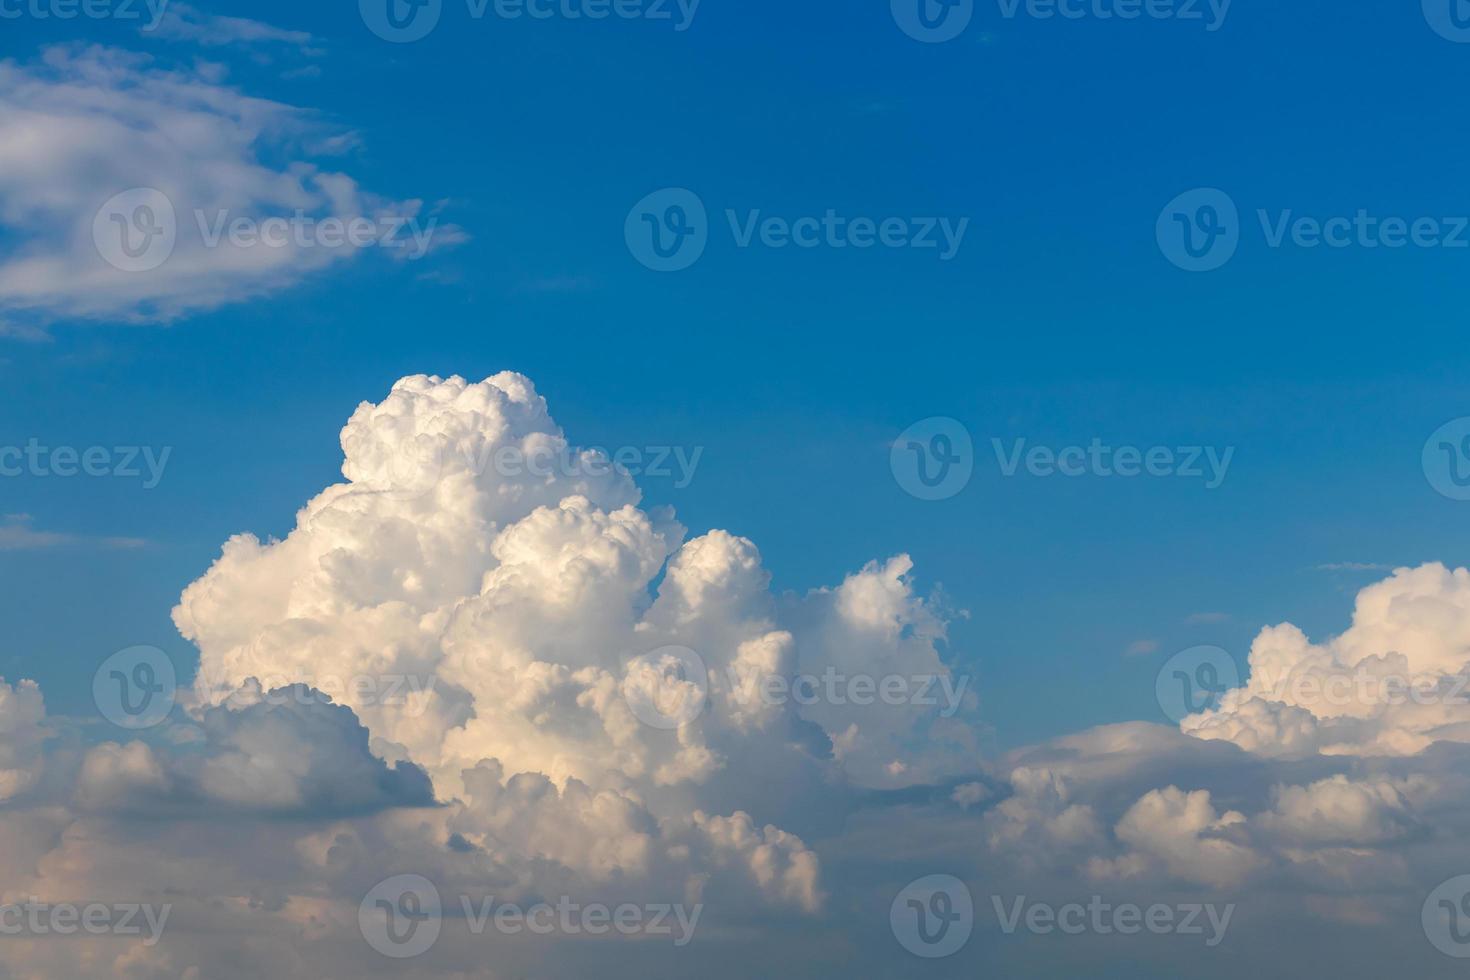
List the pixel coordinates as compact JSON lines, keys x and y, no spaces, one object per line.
{"x":1058,"y":321}
{"x":1064,"y":149}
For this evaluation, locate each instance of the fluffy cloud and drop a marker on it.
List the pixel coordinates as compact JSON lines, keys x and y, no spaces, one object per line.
{"x":84,"y":124}
{"x":22,"y":712}
{"x":1392,"y":684}
{"x":515,"y":715}
{"x":498,"y":638}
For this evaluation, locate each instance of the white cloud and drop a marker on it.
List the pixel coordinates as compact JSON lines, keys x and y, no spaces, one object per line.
{"x":1392,"y":684}
{"x":97,"y":144}
{"x":184,"y":22}
{"x":17,"y":533}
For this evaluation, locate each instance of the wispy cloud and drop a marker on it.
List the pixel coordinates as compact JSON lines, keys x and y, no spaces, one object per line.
{"x":1353,"y":566}
{"x":125,"y":188}
{"x":1141,"y":648}
{"x":18,"y":534}
{"x":183,"y":22}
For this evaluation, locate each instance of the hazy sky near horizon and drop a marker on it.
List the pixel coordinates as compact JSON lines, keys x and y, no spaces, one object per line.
{"x":1058,"y":362}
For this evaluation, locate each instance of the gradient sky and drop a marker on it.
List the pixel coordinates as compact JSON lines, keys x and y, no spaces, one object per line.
{"x":1060,"y":320}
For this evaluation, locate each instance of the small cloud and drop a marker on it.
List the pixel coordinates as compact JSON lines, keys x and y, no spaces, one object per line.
{"x":18,"y":534}
{"x":1206,"y":618}
{"x":969,"y":794}
{"x":182,"y":22}
{"x":1141,"y":648}
{"x":1353,"y":566}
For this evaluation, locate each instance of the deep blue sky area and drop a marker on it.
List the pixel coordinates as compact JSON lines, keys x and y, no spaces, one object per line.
{"x":1060,"y":320}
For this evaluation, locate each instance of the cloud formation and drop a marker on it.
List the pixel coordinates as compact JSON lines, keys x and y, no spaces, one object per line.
{"x":139,"y":193}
